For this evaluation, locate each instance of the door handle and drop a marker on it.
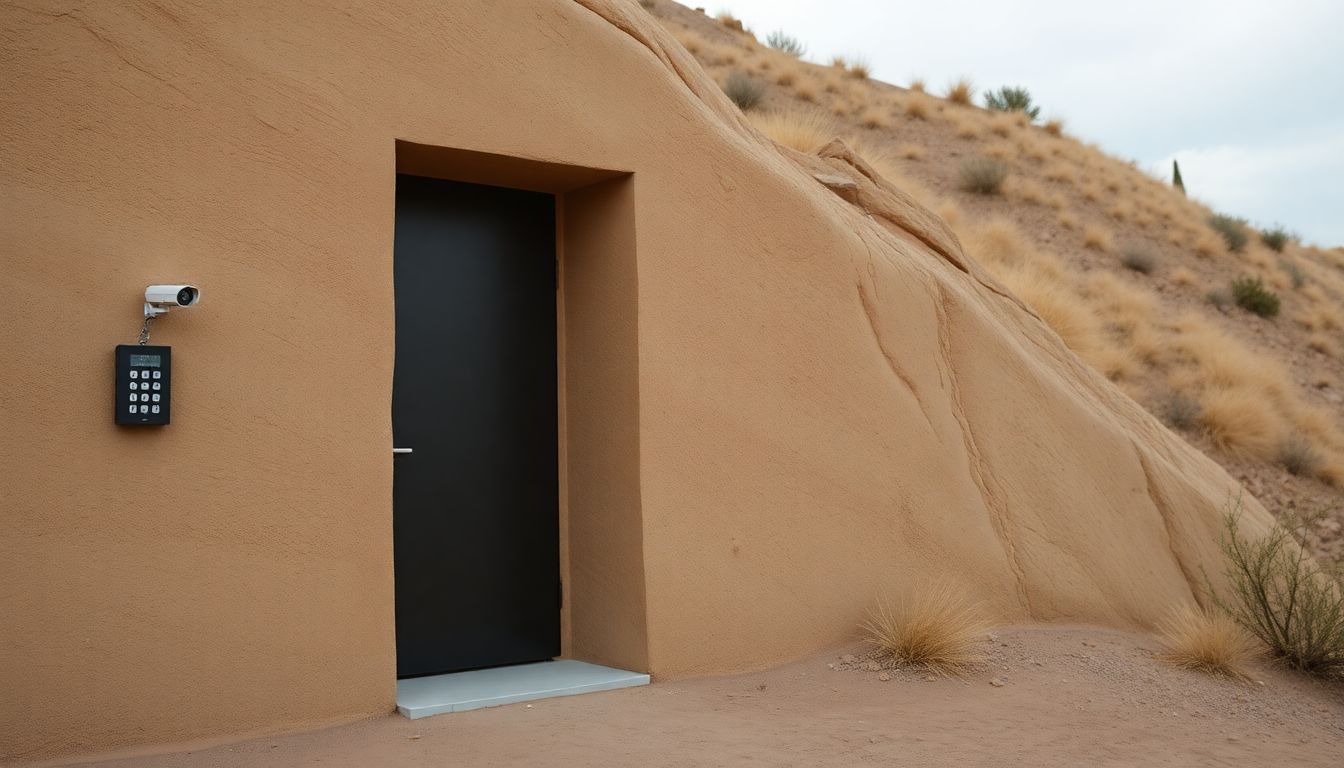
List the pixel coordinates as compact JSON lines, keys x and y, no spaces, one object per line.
{"x":403,"y":450}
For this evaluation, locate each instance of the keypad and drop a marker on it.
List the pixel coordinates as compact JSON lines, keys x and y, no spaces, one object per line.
{"x":146,"y":391}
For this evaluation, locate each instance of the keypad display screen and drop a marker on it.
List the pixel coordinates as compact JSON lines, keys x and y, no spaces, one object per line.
{"x":146,"y":361}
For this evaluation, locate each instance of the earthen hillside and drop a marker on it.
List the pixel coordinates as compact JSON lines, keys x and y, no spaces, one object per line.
{"x":1129,"y":272}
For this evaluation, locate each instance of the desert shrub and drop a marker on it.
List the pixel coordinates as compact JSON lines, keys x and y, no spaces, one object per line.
{"x":1180,"y":410}
{"x":934,"y":626}
{"x":785,"y":43}
{"x":1299,"y":456}
{"x":1206,"y":641}
{"x":983,"y":175}
{"x":1286,"y":599}
{"x":745,"y":91}
{"x":1139,"y":259}
{"x":1176,"y":180}
{"x":1232,"y":229}
{"x":1012,"y":99}
{"x":917,"y":106}
{"x":1251,"y":295}
{"x":859,"y":68}
{"x":1220,"y":298}
{"x":1276,"y":238}
{"x":1054,"y":127}
{"x":917,"y":85}
{"x":960,"y":92}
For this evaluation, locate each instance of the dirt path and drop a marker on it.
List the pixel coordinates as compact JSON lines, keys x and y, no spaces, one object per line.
{"x":1065,"y":696}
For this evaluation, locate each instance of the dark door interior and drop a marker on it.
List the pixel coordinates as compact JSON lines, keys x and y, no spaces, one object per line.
{"x":475,"y":505}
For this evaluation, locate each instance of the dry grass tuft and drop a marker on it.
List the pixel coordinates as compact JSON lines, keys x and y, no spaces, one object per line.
{"x":935,"y":627}
{"x":917,"y":106}
{"x":1002,"y":124}
{"x":1054,"y":126}
{"x":1097,"y":239}
{"x":802,"y":129}
{"x":917,"y":85}
{"x":911,"y":152}
{"x":965,"y":128}
{"x":873,"y":118}
{"x":859,"y":68}
{"x":960,"y":92}
{"x":1183,"y":276}
{"x":1319,"y":342}
{"x":1241,"y":422}
{"x":1067,"y":220}
{"x":1061,"y":172}
{"x":1206,"y":642}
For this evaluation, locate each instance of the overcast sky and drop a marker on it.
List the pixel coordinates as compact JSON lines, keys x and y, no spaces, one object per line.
{"x":1249,"y":96}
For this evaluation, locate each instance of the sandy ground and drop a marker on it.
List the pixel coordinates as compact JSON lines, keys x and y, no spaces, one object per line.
{"x":1048,"y":696}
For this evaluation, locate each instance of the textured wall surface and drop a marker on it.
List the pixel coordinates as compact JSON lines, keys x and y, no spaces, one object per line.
{"x":831,"y":401}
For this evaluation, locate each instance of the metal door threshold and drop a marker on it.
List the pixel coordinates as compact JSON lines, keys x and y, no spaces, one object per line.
{"x":460,"y":691}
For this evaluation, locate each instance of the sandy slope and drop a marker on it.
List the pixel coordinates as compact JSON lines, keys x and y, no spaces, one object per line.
{"x":1069,"y":696}
{"x":1098,"y":185}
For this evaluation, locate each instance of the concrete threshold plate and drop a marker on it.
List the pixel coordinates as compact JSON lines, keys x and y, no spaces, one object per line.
{"x":459,"y":691}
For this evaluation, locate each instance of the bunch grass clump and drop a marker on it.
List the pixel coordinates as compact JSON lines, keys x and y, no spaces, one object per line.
{"x":1206,"y":641}
{"x":983,"y":175}
{"x":960,"y":92}
{"x":744,"y":90}
{"x":934,"y":626}
{"x":1232,"y":229}
{"x":1283,"y":597}
{"x":1180,"y":410}
{"x":1251,"y":295}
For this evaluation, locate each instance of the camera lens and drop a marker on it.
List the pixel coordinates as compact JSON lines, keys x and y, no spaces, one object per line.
{"x":186,"y":296}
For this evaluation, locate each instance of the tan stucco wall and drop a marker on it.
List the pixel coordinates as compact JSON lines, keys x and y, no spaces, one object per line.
{"x":826,"y":407}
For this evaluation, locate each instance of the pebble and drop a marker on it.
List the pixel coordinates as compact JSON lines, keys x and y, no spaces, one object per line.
{"x":997,"y":682}
{"x":884,"y":677}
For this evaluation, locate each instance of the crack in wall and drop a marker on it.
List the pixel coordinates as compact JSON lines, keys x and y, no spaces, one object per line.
{"x":870,"y":312}
{"x":1164,"y":511}
{"x":999,"y":517}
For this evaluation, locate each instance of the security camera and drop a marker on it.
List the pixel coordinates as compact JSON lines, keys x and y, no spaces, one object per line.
{"x":158,"y":298}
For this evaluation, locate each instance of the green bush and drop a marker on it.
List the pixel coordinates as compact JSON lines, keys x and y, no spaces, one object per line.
{"x":1276,"y":237}
{"x":1176,"y":180}
{"x":983,"y":175}
{"x":1252,"y":295}
{"x":1279,"y":594}
{"x":1233,"y":230}
{"x":785,"y":43}
{"x":1012,"y":99}
{"x":1220,"y":298}
{"x":745,"y":91}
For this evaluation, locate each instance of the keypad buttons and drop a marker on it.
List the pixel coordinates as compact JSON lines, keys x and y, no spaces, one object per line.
{"x":144,"y":409}
{"x":133,"y":398}
{"x":158,"y":374}
{"x":155,"y":398}
{"x":131,"y":409}
{"x":144,"y":398}
{"x":134,"y":385}
{"x":154,"y":408}
{"x":135,"y":374}
{"x":156,"y":386}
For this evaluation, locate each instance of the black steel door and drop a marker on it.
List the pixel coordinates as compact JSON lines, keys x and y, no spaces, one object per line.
{"x":475,"y":502}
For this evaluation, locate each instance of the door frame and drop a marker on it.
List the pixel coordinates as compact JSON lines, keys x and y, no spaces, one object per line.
{"x":603,"y":610}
